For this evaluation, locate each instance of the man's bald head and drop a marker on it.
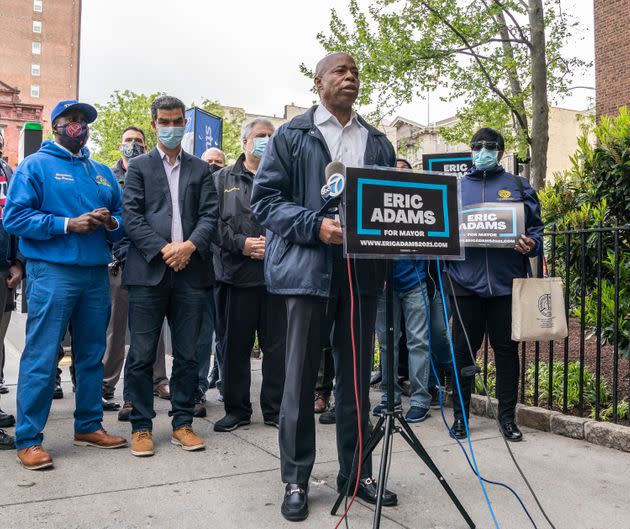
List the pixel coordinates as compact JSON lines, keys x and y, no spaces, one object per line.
{"x":327,"y":62}
{"x":215,"y":156}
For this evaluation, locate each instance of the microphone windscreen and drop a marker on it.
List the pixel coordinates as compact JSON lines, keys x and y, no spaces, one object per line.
{"x":335,"y":167}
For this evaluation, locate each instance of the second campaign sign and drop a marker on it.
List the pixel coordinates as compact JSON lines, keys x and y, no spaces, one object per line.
{"x":492,"y":224}
{"x":390,"y":213}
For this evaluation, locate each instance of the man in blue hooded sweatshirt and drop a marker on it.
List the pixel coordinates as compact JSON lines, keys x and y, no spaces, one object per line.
{"x":65,"y":208}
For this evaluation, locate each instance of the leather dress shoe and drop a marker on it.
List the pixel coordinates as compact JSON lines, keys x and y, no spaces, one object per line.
{"x":34,"y":457}
{"x":511,"y":432}
{"x":328,"y":417}
{"x":458,"y":429}
{"x":295,"y":504}
{"x":162,"y":392}
{"x":213,"y":378}
{"x":125,"y":411}
{"x":7,"y":442}
{"x":110,"y":404}
{"x":6,"y":420}
{"x":368,"y":489}
{"x":321,"y":402}
{"x":100,"y":439}
{"x":58,"y":394}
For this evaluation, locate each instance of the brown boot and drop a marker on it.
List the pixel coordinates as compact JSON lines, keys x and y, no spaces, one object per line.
{"x":100,"y":439}
{"x":34,"y":458}
{"x":187,"y":439}
{"x":321,"y":402}
{"x":142,"y":443}
{"x":162,"y":392}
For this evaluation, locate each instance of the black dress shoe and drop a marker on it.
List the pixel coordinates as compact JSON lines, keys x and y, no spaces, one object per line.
{"x":110,"y":404}
{"x":272,"y":421}
{"x":231,"y":422}
{"x":459,"y":429}
{"x":328,"y":417}
{"x":367,"y":492}
{"x":295,"y":504}
{"x":213,"y":378}
{"x":6,"y":420}
{"x":7,"y":442}
{"x":511,"y":432}
{"x":200,"y":408}
{"x":58,"y":394}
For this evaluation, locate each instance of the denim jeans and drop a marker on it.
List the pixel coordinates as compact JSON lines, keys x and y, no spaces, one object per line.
{"x":204,"y":345}
{"x":57,"y":295}
{"x":412,"y":305}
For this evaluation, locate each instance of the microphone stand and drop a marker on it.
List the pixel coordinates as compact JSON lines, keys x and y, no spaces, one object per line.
{"x":386,"y":426}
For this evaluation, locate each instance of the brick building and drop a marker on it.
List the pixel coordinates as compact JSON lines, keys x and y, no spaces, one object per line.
{"x":612,"y":55}
{"x":39,"y":55}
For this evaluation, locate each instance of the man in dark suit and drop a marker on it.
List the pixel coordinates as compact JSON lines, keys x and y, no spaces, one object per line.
{"x":170,"y":207}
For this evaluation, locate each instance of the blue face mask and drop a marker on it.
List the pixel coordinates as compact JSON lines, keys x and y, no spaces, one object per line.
{"x":485,"y":159}
{"x":259,"y":146}
{"x":170,"y":137}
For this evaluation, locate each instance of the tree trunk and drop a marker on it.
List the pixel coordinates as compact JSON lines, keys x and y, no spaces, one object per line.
{"x":540,"y":103}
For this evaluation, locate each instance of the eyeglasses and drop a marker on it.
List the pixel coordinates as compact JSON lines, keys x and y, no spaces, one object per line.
{"x":489,"y":145}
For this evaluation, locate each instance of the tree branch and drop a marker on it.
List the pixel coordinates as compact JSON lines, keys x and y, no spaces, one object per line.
{"x":515,"y":22}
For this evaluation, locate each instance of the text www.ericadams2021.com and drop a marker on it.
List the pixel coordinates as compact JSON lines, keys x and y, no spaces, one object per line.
{"x":405,"y":244}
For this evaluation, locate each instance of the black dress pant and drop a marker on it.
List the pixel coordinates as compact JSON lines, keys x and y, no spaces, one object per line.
{"x":493,"y":315}
{"x":247,"y":311}
{"x":310,"y":320}
{"x":183,"y":306}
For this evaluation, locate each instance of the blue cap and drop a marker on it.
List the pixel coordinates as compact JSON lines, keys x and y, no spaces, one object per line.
{"x":72,"y":104}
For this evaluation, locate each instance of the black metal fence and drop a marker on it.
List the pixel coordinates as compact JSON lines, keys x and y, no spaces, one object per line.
{"x":588,"y":373}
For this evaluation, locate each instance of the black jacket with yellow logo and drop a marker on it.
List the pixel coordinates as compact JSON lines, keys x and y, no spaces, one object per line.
{"x":235,"y":224}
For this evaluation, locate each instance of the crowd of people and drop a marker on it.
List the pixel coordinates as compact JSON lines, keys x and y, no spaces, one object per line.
{"x":226,"y":255}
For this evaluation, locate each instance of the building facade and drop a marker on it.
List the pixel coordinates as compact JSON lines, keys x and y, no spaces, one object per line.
{"x":612,"y":55}
{"x":39,"y":54}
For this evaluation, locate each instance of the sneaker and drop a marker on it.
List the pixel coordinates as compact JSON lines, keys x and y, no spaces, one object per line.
{"x":230,"y":423}
{"x":272,"y":421}
{"x":417,"y":414}
{"x":382,"y":407}
{"x":142,"y":443}
{"x":328,"y":417}
{"x":125,"y":411}
{"x":7,"y":442}
{"x":187,"y":439}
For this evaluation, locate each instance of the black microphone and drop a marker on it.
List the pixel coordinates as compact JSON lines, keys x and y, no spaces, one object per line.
{"x":332,"y":190}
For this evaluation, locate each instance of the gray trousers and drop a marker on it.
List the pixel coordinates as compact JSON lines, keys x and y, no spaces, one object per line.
{"x":114,"y":357}
{"x":5,"y":293}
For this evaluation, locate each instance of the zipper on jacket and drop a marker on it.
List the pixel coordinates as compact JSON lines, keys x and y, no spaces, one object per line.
{"x":483,"y":199}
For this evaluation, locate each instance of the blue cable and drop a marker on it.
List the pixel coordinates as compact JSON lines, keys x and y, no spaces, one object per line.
{"x":459,"y":393}
{"x":498,"y":483}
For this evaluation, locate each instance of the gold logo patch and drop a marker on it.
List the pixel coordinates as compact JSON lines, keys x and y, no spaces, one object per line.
{"x":504,"y":194}
{"x":102,"y":182}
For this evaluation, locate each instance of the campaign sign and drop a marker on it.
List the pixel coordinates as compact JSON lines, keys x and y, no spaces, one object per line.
{"x":456,"y":163}
{"x":203,"y":131}
{"x":492,"y":224}
{"x":389,"y":213}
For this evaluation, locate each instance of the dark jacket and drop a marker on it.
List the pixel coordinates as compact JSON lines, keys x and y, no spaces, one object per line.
{"x":488,"y":272}
{"x":235,"y":224}
{"x":147,"y":211}
{"x":119,"y":248}
{"x":286,"y":200}
{"x":8,"y":243}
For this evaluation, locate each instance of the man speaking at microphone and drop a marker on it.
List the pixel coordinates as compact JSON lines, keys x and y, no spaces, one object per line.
{"x":305,"y":263}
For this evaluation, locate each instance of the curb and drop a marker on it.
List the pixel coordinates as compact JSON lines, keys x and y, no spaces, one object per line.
{"x":605,"y":434}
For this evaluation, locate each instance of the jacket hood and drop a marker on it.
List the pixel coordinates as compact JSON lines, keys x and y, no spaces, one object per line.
{"x":50,"y":147}
{"x":478,"y":174}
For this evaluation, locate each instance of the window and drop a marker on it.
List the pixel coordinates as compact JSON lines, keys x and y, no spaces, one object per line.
{"x":36,"y":48}
{"x":35,"y":69}
{"x":38,"y":6}
{"x":34,"y":90}
{"x":37,"y":26}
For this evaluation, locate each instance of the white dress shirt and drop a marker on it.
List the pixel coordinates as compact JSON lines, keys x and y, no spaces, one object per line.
{"x":172,"y":175}
{"x":345,"y":143}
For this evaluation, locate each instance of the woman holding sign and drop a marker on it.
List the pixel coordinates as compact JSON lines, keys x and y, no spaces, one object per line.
{"x":497,"y":251}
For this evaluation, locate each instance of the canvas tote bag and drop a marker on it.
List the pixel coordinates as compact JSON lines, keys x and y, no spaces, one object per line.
{"x":538,"y":312}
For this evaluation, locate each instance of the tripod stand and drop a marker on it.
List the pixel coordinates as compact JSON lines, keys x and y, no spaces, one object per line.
{"x":386,"y":426}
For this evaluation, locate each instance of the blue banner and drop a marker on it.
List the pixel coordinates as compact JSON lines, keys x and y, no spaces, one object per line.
{"x":203,"y":131}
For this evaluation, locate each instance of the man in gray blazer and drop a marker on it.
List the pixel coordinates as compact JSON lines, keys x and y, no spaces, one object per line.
{"x":170,"y":213}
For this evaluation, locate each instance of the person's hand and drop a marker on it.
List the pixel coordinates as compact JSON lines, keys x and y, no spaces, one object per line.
{"x":254,"y":247}
{"x":177,"y":254}
{"x":525,"y":245}
{"x":106,"y":218}
{"x":86,"y":223}
{"x":16,"y":273}
{"x":330,"y":232}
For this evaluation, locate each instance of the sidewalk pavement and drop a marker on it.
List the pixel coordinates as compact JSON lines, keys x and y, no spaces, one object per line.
{"x":235,"y":482}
